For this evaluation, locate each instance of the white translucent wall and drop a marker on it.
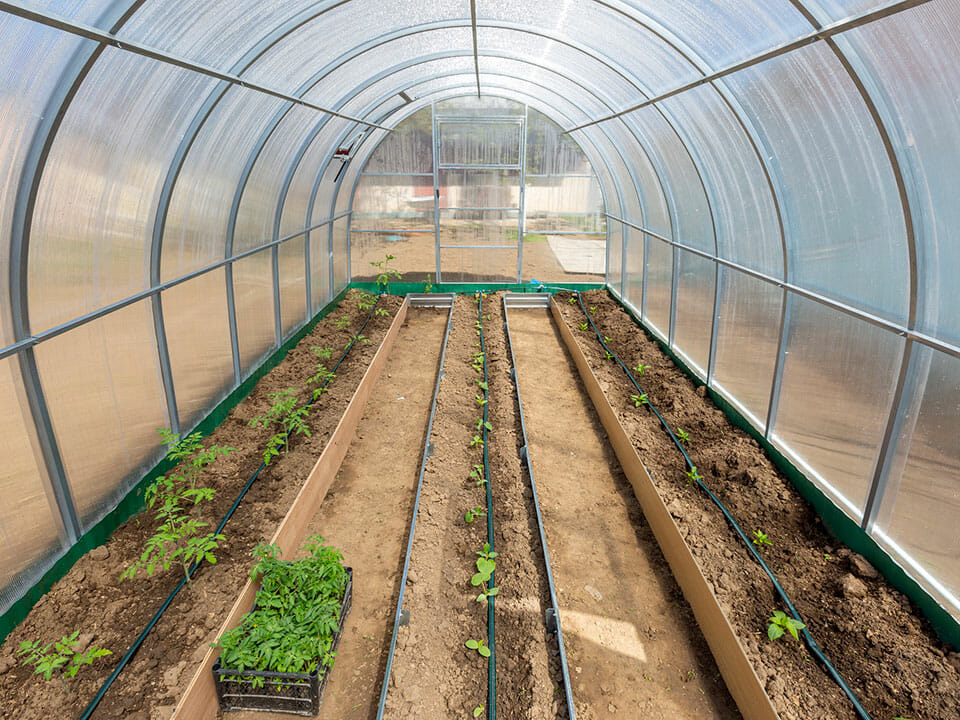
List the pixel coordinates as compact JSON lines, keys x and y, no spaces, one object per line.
{"x":786,"y":224}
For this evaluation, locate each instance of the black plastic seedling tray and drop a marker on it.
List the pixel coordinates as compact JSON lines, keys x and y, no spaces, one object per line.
{"x":295,"y":693}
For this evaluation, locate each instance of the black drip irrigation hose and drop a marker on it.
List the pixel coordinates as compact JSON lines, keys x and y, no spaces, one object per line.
{"x":525,"y":453}
{"x":427,"y":452}
{"x":166,"y":603}
{"x":811,"y":643}
{"x":491,"y":634}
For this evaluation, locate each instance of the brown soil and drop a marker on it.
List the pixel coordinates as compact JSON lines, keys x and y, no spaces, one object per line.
{"x":878,"y":641}
{"x":111,"y":614}
{"x":366,"y":513}
{"x":433,"y":674}
{"x":633,"y":646}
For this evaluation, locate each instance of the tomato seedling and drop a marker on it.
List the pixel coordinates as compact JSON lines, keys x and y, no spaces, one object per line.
{"x":693,"y":475}
{"x":385,"y":272}
{"x":639,"y":400}
{"x":481,"y":401}
{"x":781,"y":622}
{"x":760,"y":538}
{"x":342,"y":322}
{"x":683,"y":436}
{"x":322,"y":352}
{"x":62,"y":660}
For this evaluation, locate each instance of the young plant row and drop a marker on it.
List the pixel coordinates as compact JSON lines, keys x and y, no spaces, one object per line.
{"x":779,"y":623}
{"x":176,"y":501}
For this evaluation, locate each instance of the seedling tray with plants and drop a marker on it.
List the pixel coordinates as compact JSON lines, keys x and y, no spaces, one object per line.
{"x":281,"y":655}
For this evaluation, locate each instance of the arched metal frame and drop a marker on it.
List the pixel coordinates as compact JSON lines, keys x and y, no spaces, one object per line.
{"x":117,"y":14}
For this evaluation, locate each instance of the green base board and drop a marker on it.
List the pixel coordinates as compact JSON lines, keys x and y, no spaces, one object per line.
{"x":838,"y":523}
{"x":132,"y":502}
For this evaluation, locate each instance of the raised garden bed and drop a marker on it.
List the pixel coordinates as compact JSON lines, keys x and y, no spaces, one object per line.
{"x":879,"y":643}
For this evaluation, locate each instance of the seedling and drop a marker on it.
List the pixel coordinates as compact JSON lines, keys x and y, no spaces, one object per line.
{"x":63,"y":660}
{"x":342,"y":322}
{"x":781,"y":622}
{"x":481,"y":648}
{"x":487,"y":553}
{"x":476,"y":442}
{"x":683,"y":436}
{"x":179,"y":450}
{"x":365,"y":301}
{"x":607,"y":355}
{"x":573,"y":300}
{"x":593,"y":309}
{"x":583,"y":326}
{"x":322,"y":353}
{"x":285,"y":413}
{"x":428,"y":287}
{"x":606,"y":339}
{"x":477,"y":710}
{"x":482,"y":384}
{"x":481,"y":425}
{"x":384,"y":273}
{"x":760,"y":538}
{"x":480,"y":400}
{"x":380,"y":312}
{"x":639,"y":400}
{"x":478,"y":475}
{"x":693,"y":475}
{"x":470,"y":515}
{"x":640,"y":368}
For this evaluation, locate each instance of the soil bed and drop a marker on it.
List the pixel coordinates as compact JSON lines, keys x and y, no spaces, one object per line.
{"x":111,"y":614}
{"x":876,"y":639}
{"x":633,"y":646}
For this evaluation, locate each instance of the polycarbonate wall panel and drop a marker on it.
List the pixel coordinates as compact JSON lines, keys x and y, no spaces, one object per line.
{"x":656,"y":214}
{"x":679,"y":174}
{"x":319,"y":267}
{"x":253,"y":294}
{"x":838,"y":382}
{"x":293,"y":288}
{"x":552,"y":152}
{"x":196,"y":224}
{"x":915,"y":56}
{"x":23,"y":97}
{"x":920,"y":508}
{"x":478,"y":143}
{"x":659,"y":285}
{"x":746,"y":219}
{"x":198,"y":340}
{"x":633,"y":282}
{"x":479,"y":188}
{"x":409,"y":148}
{"x":103,"y":389}
{"x":28,"y":532}
{"x":393,"y":202}
{"x":257,"y":216}
{"x":615,"y":253}
{"x":748,"y":330}
{"x":296,"y":203}
{"x":845,"y":227}
{"x":341,"y":255}
{"x":694,"y":321}
{"x":96,"y":202}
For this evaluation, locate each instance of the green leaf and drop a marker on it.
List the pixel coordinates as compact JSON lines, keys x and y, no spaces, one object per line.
{"x":477,"y":710}
{"x":472,"y":644}
{"x":484,"y":651}
{"x":477,"y":579}
{"x":774,"y":632}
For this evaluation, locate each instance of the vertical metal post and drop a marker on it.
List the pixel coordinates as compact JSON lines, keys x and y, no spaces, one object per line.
{"x":786,"y":320}
{"x":436,"y":188}
{"x":522,"y":220}
{"x":166,"y":371}
{"x":674,"y":282}
{"x":275,"y":271}
{"x":624,"y":234}
{"x":643,"y":288}
{"x":712,"y":357}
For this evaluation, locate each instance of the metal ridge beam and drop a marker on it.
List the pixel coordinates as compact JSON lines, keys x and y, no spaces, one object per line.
{"x":774,"y":52}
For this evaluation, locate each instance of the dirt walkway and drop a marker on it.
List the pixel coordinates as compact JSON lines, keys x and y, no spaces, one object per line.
{"x":633,"y":645}
{"x":367,"y":512}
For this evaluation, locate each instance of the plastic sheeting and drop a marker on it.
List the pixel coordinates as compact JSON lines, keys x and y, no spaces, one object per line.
{"x":161,"y":231}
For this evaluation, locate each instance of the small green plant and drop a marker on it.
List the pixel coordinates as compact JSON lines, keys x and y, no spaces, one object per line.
{"x":382,"y":313}
{"x":479,"y":326}
{"x":485,"y":567}
{"x":476,"y":442}
{"x":487,"y":553}
{"x":428,"y":286}
{"x":322,"y":352}
{"x":342,"y":322}
{"x":479,"y":709}
{"x":606,"y":339}
{"x":470,"y":515}
{"x":640,"y":368}
{"x":481,"y":401}
{"x":693,"y":476}
{"x":607,"y":355}
{"x":683,"y":436}
{"x":285,"y":413}
{"x":189,"y":447}
{"x":365,"y":301}
{"x":482,"y":384}
{"x":478,"y":475}
{"x":62,"y":660}
{"x":573,"y":300}
{"x":385,"y":272}
{"x":639,"y":400}
{"x":760,"y":538}
{"x":481,"y":648}
{"x":481,"y":424}
{"x":780,"y":623}
{"x":584,"y":326}
{"x":593,"y":309}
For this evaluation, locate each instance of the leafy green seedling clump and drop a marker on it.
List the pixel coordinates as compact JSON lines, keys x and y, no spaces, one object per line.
{"x":476,"y":442}
{"x":481,"y":424}
{"x":693,"y":476}
{"x":480,"y":647}
{"x":780,"y":623}
{"x":63,"y":660}
{"x":285,"y":413}
{"x":477,"y":710}
{"x":760,"y":539}
{"x":472,"y":514}
{"x":639,"y":400}
{"x":640,"y":368}
{"x":385,"y":272}
{"x":478,"y":475}
{"x":683,"y":436}
{"x":296,"y":616}
{"x":583,"y":326}
{"x":342,"y":322}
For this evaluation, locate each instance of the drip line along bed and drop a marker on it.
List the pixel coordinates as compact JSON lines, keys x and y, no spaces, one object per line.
{"x":530,"y":535}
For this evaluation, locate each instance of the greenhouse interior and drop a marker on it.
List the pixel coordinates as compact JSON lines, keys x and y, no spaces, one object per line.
{"x":382,"y":359}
